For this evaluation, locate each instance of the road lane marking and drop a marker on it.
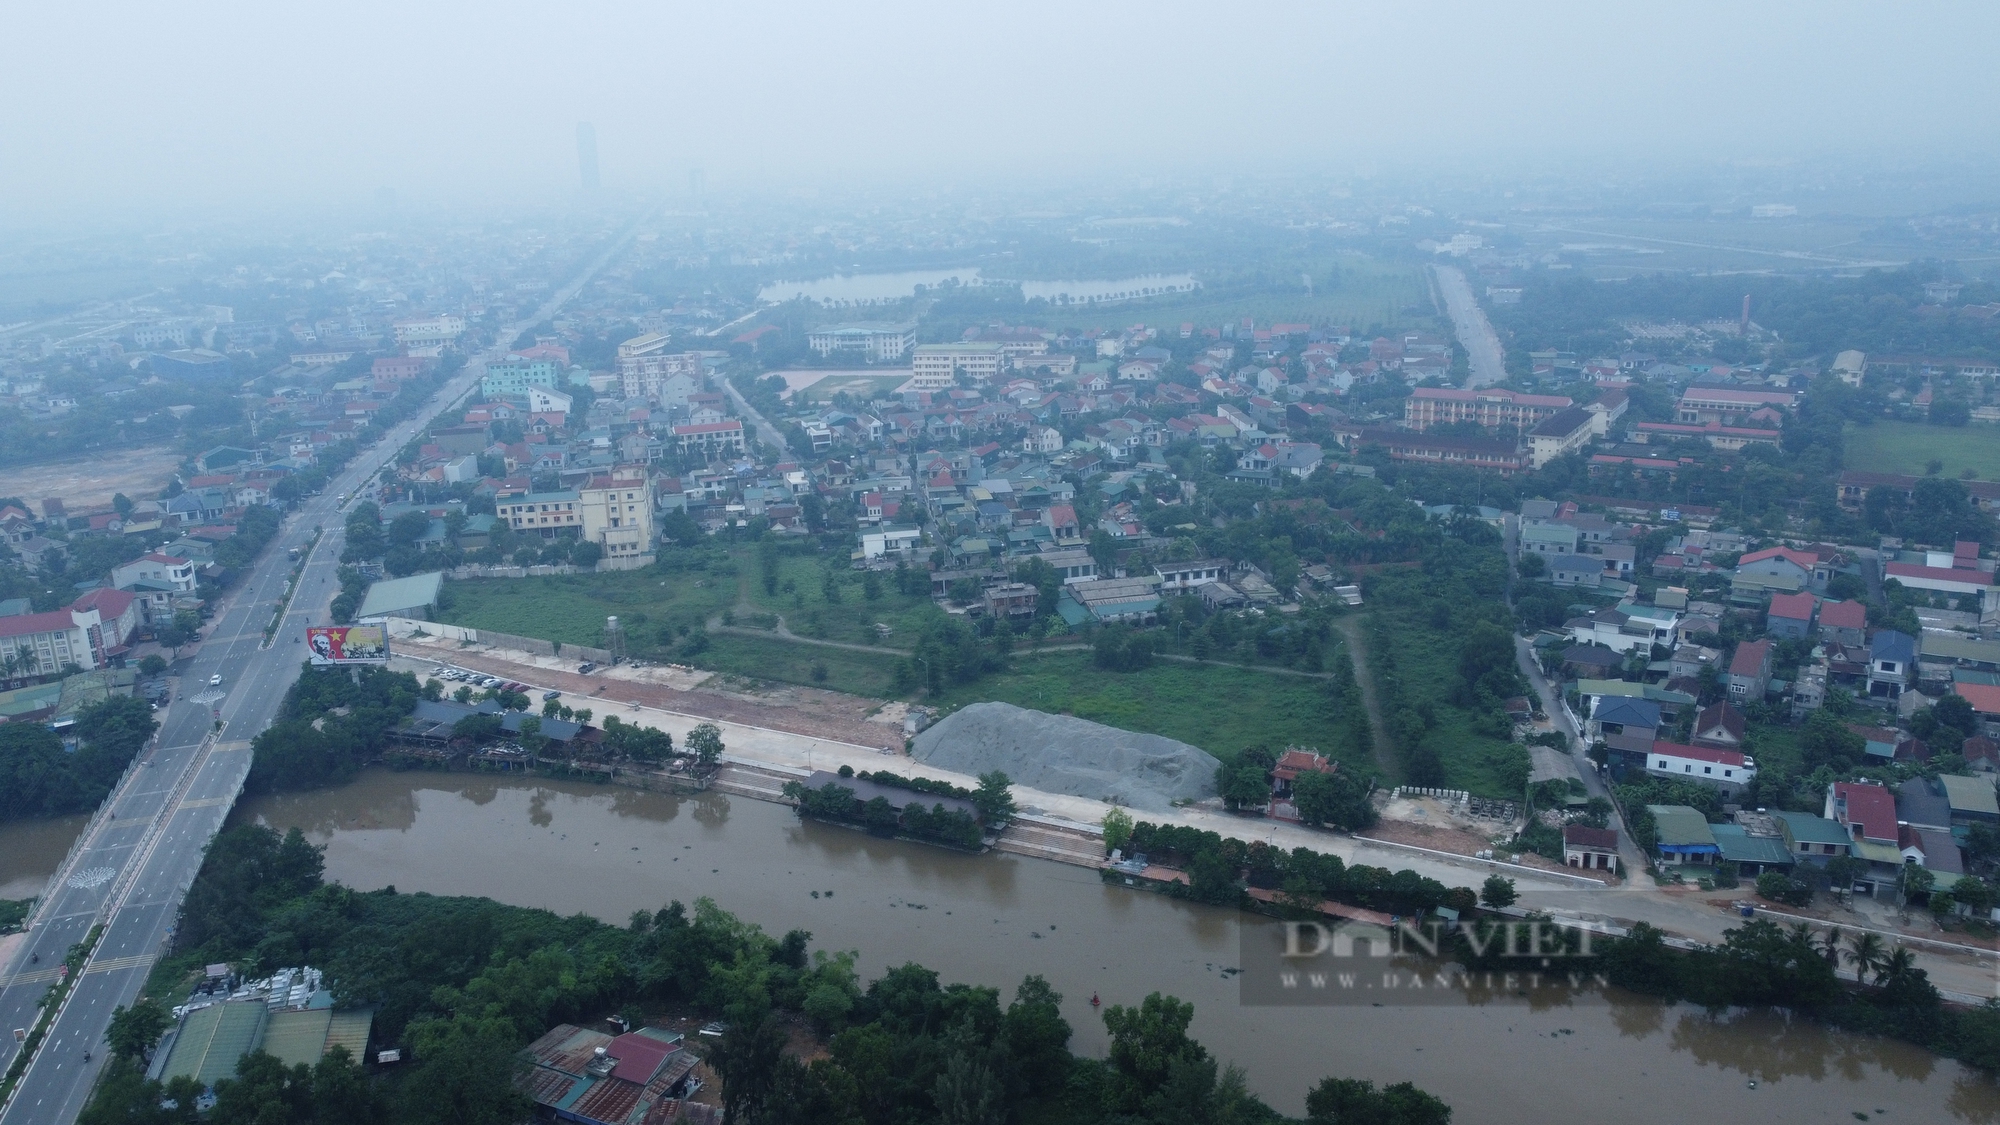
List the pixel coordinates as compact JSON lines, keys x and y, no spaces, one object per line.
{"x":117,"y":964}
{"x":205,"y":803}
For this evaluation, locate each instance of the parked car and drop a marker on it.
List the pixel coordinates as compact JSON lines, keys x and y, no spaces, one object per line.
{"x":585,"y":667}
{"x":549,"y":695}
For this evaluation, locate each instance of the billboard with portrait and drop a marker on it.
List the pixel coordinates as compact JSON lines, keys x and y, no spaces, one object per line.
{"x":347,"y":644}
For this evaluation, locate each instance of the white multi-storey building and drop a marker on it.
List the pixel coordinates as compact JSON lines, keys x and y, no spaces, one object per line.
{"x":935,"y":367}
{"x":868,"y":341}
{"x":420,"y":334}
{"x":646,"y":369}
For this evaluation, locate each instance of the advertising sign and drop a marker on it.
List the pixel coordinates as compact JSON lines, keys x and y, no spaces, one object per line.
{"x":347,"y":644}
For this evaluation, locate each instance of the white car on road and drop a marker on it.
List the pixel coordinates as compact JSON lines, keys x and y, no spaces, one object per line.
{"x":215,"y":680}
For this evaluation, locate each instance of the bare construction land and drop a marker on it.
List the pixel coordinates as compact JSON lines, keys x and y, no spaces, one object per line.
{"x":83,"y":482}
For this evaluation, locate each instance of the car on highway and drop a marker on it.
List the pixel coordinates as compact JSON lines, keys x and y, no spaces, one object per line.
{"x":215,"y":680}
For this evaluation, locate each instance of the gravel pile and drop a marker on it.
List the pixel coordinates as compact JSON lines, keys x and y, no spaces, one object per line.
{"x":1058,"y":754}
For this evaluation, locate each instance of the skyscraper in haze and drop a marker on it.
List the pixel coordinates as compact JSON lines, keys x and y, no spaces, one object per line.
{"x":586,"y":154}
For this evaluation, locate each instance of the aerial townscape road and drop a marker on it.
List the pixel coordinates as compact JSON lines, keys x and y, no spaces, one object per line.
{"x":138,"y":856}
{"x":1488,"y":362}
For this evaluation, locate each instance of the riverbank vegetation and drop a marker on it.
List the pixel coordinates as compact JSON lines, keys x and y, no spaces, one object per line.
{"x":992,"y":803}
{"x":1761,"y":964}
{"x":333,"y":721}
{"x":461,"y":985}
{"x":1219,"y":869}
{"x":40,"y":777}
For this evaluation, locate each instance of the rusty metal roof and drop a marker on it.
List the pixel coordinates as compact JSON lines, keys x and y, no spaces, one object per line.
{"x":611,"y":1101}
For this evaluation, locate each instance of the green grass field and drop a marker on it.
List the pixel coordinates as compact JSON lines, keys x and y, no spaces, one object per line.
{"x":654,"y":608}
{"x":801,"y":600}
{"x":857,"y":673}
{"x":1220,"y":710}
{"x":572,"y":608}
{"x":1906,"y":447}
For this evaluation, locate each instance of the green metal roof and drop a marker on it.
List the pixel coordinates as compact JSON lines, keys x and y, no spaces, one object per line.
{"x":1973,"y":795}
{"x":393,"y":594}
{"x":297,"y":1037}
{"x":213,"y":1039}
{"x":1681,"y":827}
{"x":1739,"y":846}
{"x":1805,"y":828}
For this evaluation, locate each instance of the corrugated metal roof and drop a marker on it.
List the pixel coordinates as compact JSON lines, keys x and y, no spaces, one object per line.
{"x":548,"y":1087}
{"x":297,"y":1037}
{"x":213,"y":1039}
{"x":678,"y":1066}
{"x":1807,"y":828}
{"x":1738,"y":846}
{"x":1970,"y":795}
{"x":395,"y":594}
{"x":350,"y":1029}
{"x":1679,"y":826}
{"x":610,"y":1101}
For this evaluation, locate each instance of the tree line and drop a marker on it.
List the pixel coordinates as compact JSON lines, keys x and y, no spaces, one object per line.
{"x":1219,"y":869}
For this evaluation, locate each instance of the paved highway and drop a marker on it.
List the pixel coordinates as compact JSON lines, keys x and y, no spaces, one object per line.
{"x":1474,"y":331}
{"x":139,"y":855}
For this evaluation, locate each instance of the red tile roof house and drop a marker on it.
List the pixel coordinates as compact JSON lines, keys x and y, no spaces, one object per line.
{"x":1729,"y":770}
{"x":1985,"y":700}
{"x":1843,"y":623}
{"x":1868,"y":812}
{"x":1790,"y":616}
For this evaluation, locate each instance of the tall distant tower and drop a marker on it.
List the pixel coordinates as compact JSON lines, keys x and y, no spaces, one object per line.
{"x":586,"y":154}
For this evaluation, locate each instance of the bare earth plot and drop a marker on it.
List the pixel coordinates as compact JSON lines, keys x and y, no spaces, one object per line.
{"x":81,"y":482}
{"x":821,"y":383}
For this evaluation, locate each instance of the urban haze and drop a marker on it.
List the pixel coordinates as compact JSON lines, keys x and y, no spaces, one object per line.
{"x":1092,"y":564}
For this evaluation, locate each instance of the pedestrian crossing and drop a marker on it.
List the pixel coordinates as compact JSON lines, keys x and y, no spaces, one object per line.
{"x":40,"y":976}
{"x":117,"y":964}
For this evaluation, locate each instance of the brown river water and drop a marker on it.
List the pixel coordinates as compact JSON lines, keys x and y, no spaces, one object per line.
{"x":993,"y":919}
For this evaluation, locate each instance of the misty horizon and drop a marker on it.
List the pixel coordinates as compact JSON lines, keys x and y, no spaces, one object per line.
{"x":235,"y":110}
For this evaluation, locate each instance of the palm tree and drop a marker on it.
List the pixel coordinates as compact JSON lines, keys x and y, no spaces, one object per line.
{"x":1866,"y":953}
{"x":1897,"y":964}
{"x":1829,"y":946}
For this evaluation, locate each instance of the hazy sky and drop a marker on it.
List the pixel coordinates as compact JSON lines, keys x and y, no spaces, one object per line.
{"x":221,"y":105}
